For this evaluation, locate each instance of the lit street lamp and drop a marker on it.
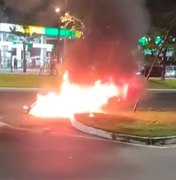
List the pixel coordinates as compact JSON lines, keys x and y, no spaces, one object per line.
{"x":57,"y":10}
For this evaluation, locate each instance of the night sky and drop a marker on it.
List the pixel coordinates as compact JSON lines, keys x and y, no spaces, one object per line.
{"x":128,"y":19}
{"x":99,"y":12}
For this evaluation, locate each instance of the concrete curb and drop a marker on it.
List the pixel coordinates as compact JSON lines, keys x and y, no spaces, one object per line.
{"x":21,"y":89}
{"x":155,"y":141}
{"x":4,"y":125}
{"x":12,"y":89}
{"x":8,"y":129}
{"x":162,"y":90}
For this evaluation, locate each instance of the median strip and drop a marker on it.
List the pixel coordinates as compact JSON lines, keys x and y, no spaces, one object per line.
{"x":146,"y":127}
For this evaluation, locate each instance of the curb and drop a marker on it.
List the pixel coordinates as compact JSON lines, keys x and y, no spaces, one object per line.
{"x":4,"y":125}
{"x":11,"y":89}
{"x":151,"y":141}
{"x":26,"y":89}
{"x":8,"y":129}
{"x":162,"y":90}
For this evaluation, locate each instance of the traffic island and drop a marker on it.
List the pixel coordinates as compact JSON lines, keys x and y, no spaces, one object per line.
{"x":142,"y":127}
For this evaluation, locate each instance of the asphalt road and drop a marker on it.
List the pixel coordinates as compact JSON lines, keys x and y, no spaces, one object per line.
{"x":65,"y":153}
{"x":158,"y":100}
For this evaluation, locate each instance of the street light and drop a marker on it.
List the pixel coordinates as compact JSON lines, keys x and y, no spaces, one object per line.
{"x":57,"y":10}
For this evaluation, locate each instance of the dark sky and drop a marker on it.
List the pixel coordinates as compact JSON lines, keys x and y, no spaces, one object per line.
{"x":100,"y":16}
{"x":84,"y":8}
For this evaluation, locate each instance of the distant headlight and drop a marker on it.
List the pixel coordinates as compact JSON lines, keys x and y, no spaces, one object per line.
{"x":171,"y":73}
{"x":138,"y":73}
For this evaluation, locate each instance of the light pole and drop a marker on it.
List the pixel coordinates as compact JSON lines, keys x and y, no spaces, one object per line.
{"x":58,"y":11}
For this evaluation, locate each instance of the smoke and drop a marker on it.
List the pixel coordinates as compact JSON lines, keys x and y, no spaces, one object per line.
{"x":135,"y":18}
{"x":39,"y":12}
{"x":23,"y":6}
{"x":89,"y":61}
{"x":109,"y":51}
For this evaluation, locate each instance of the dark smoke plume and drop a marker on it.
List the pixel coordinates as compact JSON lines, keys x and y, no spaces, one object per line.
{"x":23,"y":6}
{"x":107,"y":52}
{"x":89,"y":61}
{"x":38,"y":12}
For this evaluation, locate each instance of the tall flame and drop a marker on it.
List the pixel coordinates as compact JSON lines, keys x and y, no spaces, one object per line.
{"x":74,"y":98}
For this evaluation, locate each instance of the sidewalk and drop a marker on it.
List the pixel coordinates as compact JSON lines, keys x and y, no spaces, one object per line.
{"x":20,"y":71}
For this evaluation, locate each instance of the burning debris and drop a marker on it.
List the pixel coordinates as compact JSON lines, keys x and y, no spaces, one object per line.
{"x":74,"y":98}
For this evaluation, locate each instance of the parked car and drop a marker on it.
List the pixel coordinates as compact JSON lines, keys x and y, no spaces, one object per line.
{"x":170,"y":71}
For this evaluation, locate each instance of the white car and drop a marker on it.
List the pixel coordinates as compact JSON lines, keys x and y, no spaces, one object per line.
{"x":170,"y":71}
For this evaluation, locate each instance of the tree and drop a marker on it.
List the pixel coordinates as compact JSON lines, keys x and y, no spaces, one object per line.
{"x":72,"y":22}
{"x":26,"y":38}
{"x":163,"y":24}
{"x":153,"y":41}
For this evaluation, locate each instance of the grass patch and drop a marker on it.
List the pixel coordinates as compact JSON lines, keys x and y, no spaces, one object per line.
{"x":142,"y":123}
{"x":30,"y":81}
{"x":23,"y":80}
{"x":162,"y":84}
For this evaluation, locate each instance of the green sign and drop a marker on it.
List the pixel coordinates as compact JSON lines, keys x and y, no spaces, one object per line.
{"x":51,"y":31}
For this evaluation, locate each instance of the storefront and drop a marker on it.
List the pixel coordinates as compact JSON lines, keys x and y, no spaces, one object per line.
{"x":38,"y":50}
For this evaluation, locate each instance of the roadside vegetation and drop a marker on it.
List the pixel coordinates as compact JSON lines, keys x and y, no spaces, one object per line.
{"x":162,"y":84}
{"x":29,"y":81}
{"x":36,"y":81}
{"x":141,"y":123}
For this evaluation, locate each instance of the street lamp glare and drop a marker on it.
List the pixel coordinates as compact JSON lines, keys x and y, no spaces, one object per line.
{"x":57,"y":10}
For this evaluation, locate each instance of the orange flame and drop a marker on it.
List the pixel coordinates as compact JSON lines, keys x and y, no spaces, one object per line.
{"x":74,"y":98}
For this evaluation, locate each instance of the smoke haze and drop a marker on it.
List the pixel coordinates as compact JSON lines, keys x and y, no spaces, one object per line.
{"x":135,"y":18}
{"x":39,"y":12}
{"x":23,"y":6}
{"x":107,"y":52}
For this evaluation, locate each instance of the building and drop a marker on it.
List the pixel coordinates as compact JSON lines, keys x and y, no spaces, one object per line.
{"x":38,"y":48}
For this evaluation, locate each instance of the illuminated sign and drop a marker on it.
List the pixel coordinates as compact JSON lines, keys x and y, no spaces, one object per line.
{"x":36,"y":29}
{"x":48,"y":31}
{"x":51,"y":31}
